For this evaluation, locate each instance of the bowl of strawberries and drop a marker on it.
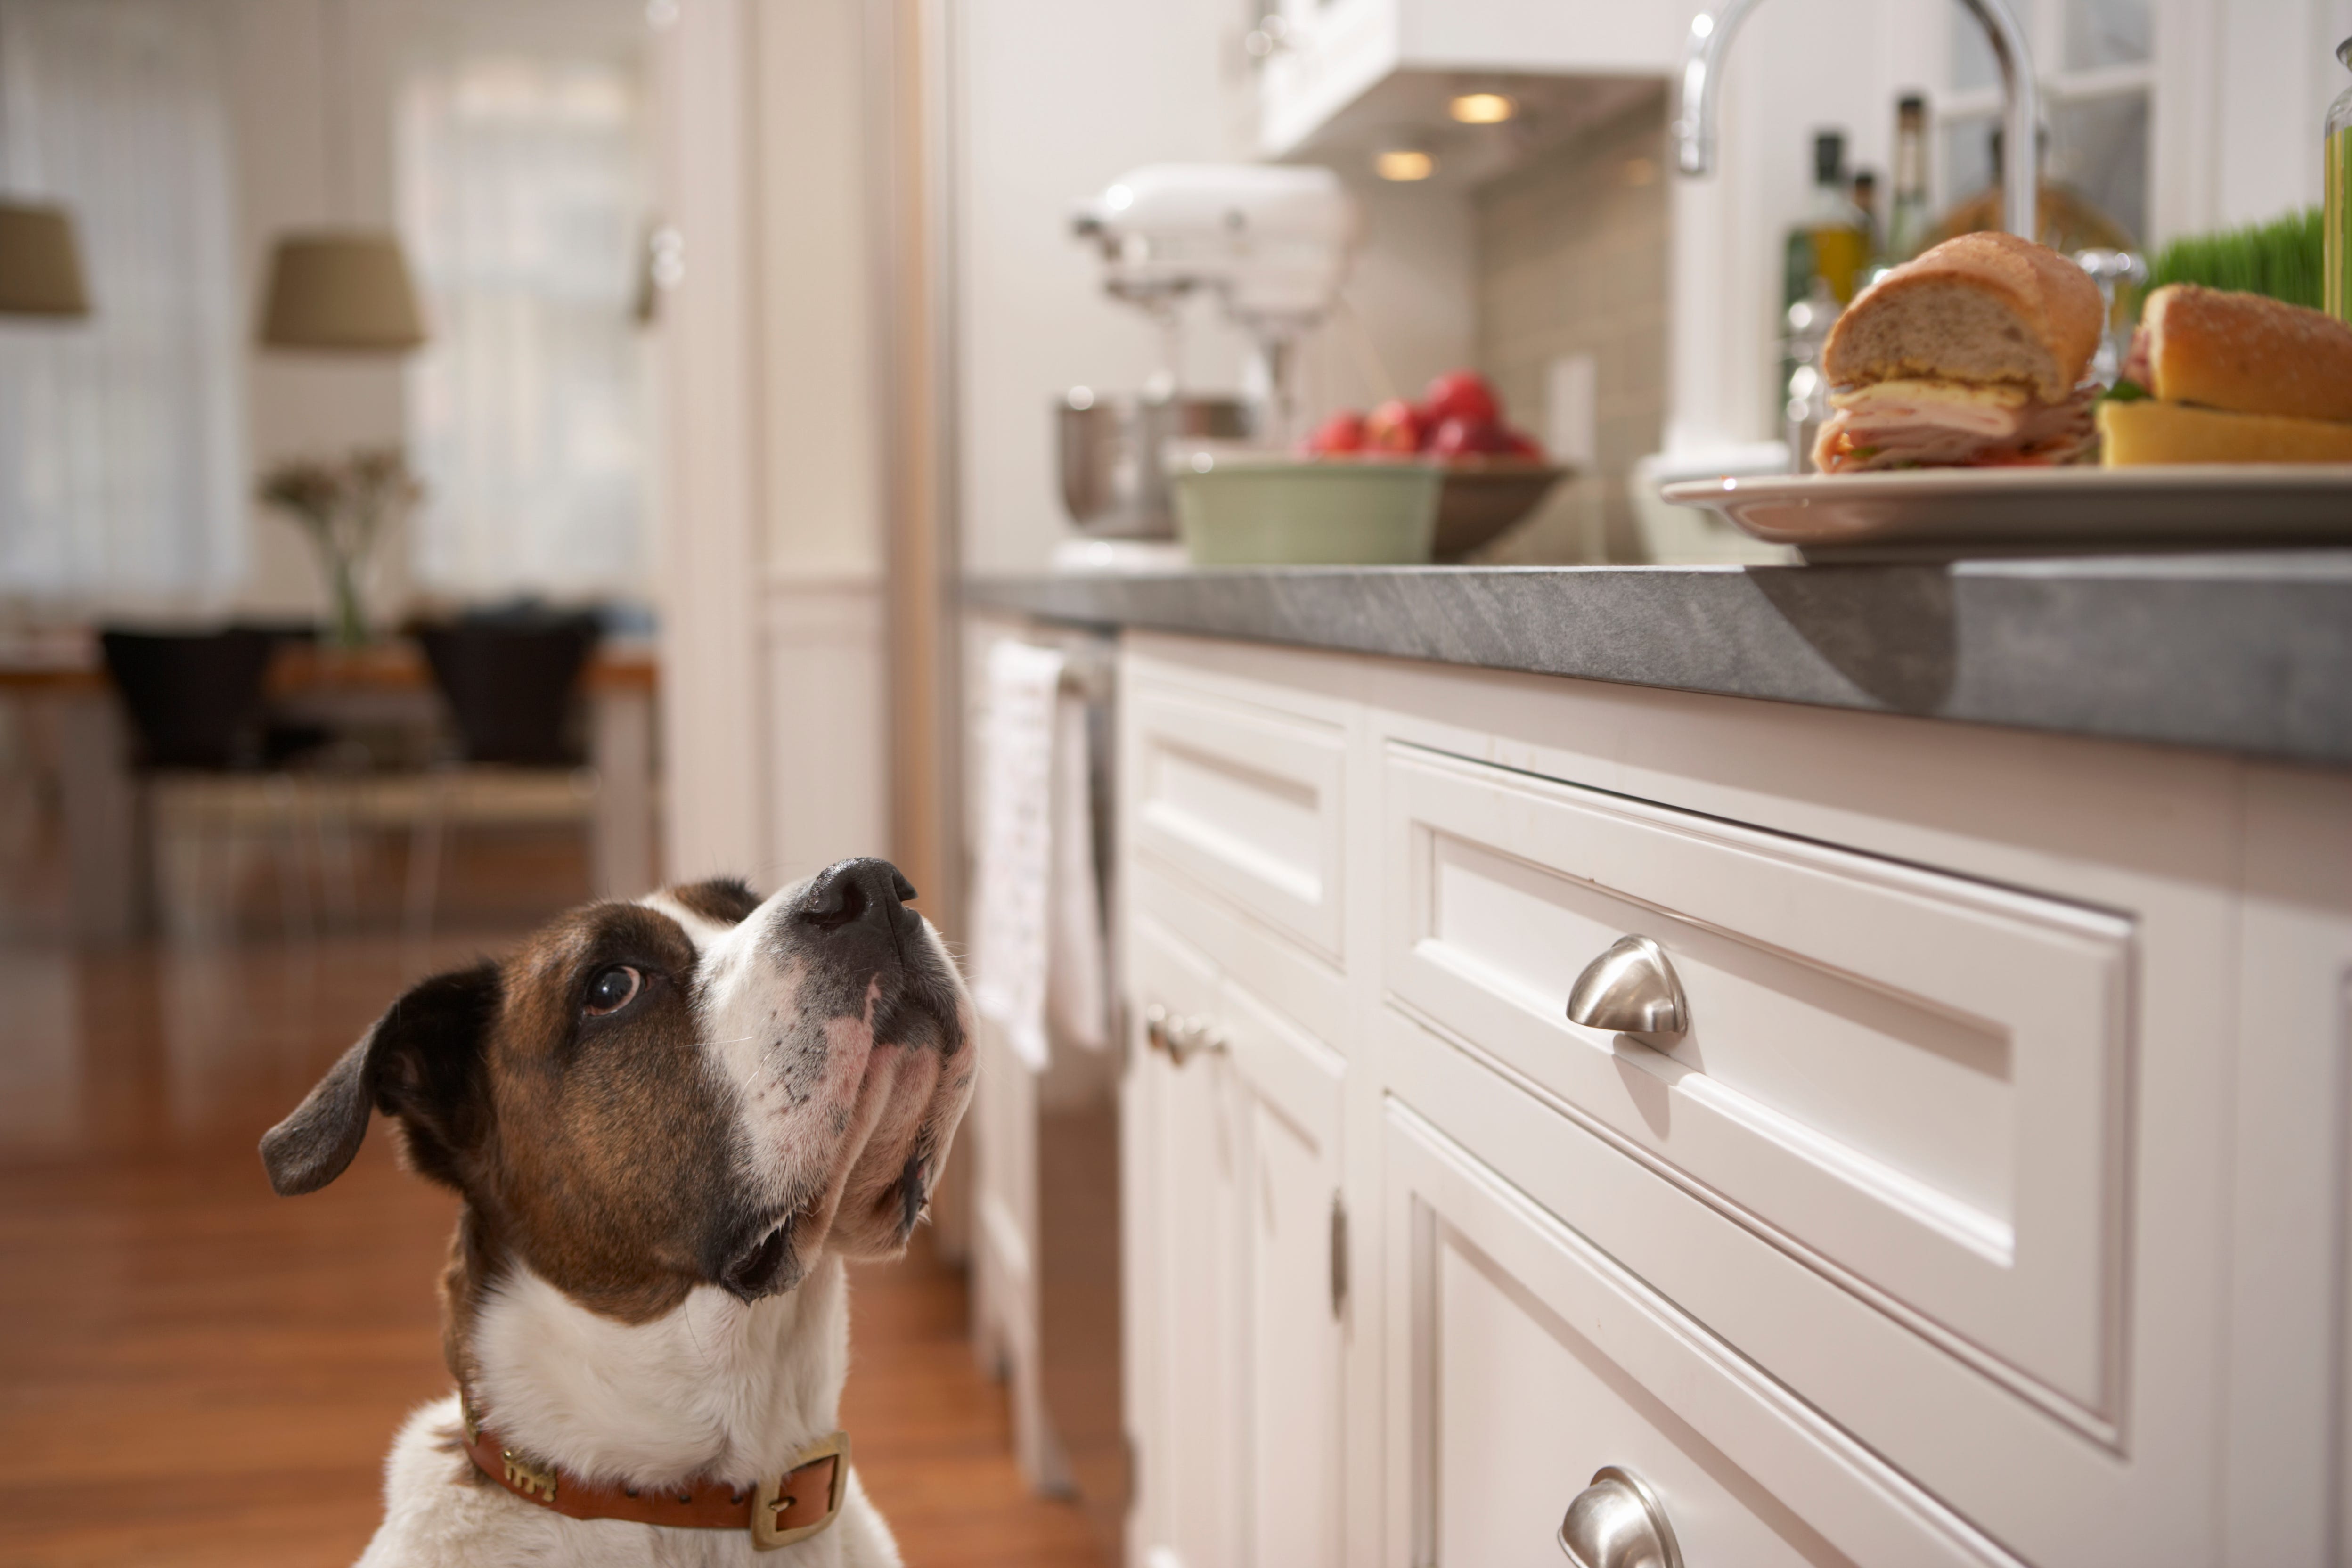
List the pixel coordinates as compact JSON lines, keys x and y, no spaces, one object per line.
{"x":1495,"y":474}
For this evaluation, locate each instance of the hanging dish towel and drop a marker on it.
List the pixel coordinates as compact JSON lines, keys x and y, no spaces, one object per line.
{"x":1037,"y":944}
{"x":1077,"y":979}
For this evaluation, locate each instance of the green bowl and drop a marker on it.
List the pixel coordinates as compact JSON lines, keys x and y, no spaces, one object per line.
{"x":1265,"y":509}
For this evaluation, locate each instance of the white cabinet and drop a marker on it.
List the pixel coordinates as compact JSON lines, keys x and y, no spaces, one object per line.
{"x":1234,"y":1111}
{"x":1523,"y":1361}
{"x":1337,"y":54}
{"x":1238,"y":1318}
{"x":1990,"y":1210}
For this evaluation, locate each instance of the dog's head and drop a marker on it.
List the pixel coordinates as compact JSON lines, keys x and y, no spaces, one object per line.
{"x":699,"y":1089}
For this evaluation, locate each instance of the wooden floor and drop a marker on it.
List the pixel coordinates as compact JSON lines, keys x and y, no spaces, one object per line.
{"x":193,"y":1371}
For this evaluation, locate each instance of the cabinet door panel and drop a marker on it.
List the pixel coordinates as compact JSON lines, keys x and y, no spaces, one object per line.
{"x":1241,"y":1449}
{"x":1185,"y":1315}
{"x":1294,"y":1350}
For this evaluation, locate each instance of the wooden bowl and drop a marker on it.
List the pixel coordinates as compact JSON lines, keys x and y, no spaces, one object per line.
{"x":1483,"y":497}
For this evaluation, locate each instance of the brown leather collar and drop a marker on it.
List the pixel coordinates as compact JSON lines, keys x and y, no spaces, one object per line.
{"x":793,"y":1506}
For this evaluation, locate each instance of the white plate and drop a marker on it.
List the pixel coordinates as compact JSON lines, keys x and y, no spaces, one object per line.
{"x":2007,"y":512}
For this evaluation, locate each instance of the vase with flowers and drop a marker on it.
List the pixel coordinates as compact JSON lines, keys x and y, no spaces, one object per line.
{"x":346,"y":507}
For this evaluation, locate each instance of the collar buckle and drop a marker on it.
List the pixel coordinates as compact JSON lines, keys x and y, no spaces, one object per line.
{"x":805,"y":1498}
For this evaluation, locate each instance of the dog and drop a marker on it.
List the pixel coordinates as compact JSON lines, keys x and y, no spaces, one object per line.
{"x":671,"y":1123}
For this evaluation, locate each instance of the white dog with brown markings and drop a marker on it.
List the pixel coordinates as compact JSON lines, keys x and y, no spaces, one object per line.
{"x":671,"y":1123}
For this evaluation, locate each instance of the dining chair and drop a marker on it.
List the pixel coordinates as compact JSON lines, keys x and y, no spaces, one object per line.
{"x":512,"y":681}
{"x":195,"y":702}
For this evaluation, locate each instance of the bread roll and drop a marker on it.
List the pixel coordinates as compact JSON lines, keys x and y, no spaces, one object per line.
{"x":1983,"y":308}
{"x":2136,"y":433}
{"x":2246,"y":355}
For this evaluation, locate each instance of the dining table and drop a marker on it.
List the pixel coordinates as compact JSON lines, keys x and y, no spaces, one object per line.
{"x":383,"y":683}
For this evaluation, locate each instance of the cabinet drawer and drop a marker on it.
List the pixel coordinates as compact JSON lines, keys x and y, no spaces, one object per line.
{"x":1913,"y":1083}
{"x":1242,"y":800}
{"x":1526,"y":1360}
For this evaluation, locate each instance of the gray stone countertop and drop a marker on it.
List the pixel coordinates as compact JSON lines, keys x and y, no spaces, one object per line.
{"x":2249,"y":652}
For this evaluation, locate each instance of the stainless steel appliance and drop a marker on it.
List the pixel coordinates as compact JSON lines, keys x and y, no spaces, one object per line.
{"x":1113,"y":483}
{"x":1077,"y":1193}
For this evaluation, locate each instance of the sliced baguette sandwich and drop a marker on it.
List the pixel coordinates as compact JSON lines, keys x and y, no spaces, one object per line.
{"x":1971,"y":355}
{"x":2221,"y":377}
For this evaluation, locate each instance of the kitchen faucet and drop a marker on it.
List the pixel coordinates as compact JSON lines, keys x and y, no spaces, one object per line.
{"x":1710,"y":41}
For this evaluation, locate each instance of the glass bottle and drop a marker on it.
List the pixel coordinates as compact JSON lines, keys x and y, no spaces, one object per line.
{"x":1838,"y":232}
{"x":1805,"y":405}
{"x":1908,"y":221}
{"x":1873,"y":236}
{"x":2336,"y":243}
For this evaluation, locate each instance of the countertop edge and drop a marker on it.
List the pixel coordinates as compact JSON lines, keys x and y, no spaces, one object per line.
{"x":2249,"y":654}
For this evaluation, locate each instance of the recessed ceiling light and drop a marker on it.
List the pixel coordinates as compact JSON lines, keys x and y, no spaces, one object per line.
{"x":1482,"y":107}
{"x":1404,"y":164}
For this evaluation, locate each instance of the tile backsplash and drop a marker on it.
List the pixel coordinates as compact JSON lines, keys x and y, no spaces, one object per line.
{"x":1572,"y":265}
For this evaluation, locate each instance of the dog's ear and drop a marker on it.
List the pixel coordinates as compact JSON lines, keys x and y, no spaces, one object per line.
{"x":421,"y":1062}
{"x":729,"y":900}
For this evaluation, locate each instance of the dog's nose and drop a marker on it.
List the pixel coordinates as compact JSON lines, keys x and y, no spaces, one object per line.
{"x":850,"y":892}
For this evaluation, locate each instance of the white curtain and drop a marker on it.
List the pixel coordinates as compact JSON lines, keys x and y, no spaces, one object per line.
{"x":121,"y":435}
{"x":522,"y":188}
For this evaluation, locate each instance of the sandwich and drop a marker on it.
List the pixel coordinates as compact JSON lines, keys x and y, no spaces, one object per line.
{"x":1971,"y":355}
{"x":2221,"y":377}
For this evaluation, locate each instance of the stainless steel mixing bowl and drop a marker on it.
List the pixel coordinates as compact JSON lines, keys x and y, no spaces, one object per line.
{"x":1112,"y":482}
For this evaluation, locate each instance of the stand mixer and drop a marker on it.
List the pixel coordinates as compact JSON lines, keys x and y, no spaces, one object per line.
{"x":1273,"y":244}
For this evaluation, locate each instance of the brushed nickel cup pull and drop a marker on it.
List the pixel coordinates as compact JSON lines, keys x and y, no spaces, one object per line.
{"x":1618,"y":1522}
{"x":1630,"y":990}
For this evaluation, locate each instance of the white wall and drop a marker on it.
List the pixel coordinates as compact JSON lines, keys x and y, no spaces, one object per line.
{"x":827,"y":791}
{"x":822,"y":487}
{"x":775,"y":720}
{"x":1058,"y":99}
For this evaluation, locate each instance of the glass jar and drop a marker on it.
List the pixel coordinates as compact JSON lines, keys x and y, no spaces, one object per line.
{"x":2336,"y":266}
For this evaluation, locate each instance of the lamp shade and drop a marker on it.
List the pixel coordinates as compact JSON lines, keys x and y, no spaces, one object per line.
{"x":40,"y":264}
{"x":346,"y":289}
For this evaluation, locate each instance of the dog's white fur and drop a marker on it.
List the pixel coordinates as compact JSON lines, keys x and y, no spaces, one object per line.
{"x":719,"y":1386}
{"x":716,"y":1386}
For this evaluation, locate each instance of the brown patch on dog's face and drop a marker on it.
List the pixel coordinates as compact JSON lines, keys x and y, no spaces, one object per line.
{"x":700,"y":1090}
{"x":616,"y":1170}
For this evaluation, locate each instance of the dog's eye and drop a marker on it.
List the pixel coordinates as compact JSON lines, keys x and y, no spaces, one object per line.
{"x":613,"y":989}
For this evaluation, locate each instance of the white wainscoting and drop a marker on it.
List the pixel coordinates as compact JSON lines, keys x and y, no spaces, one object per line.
{"x":828,"y":785}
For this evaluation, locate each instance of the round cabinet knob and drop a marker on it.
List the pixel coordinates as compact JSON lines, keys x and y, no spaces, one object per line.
{"x":1618,"y":1522}
{"x":1190,"y":1038}
{"x":1630,"y":990}
{"x":1183,"y":1038}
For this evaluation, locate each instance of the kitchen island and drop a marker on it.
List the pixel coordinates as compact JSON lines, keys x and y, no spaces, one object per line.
{"x":1980,"y":1197}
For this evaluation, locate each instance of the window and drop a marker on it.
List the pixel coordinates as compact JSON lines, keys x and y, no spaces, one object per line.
{"x":522,"y":192}
{"x":2096,"y":59}
{"x":122,"y":435}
